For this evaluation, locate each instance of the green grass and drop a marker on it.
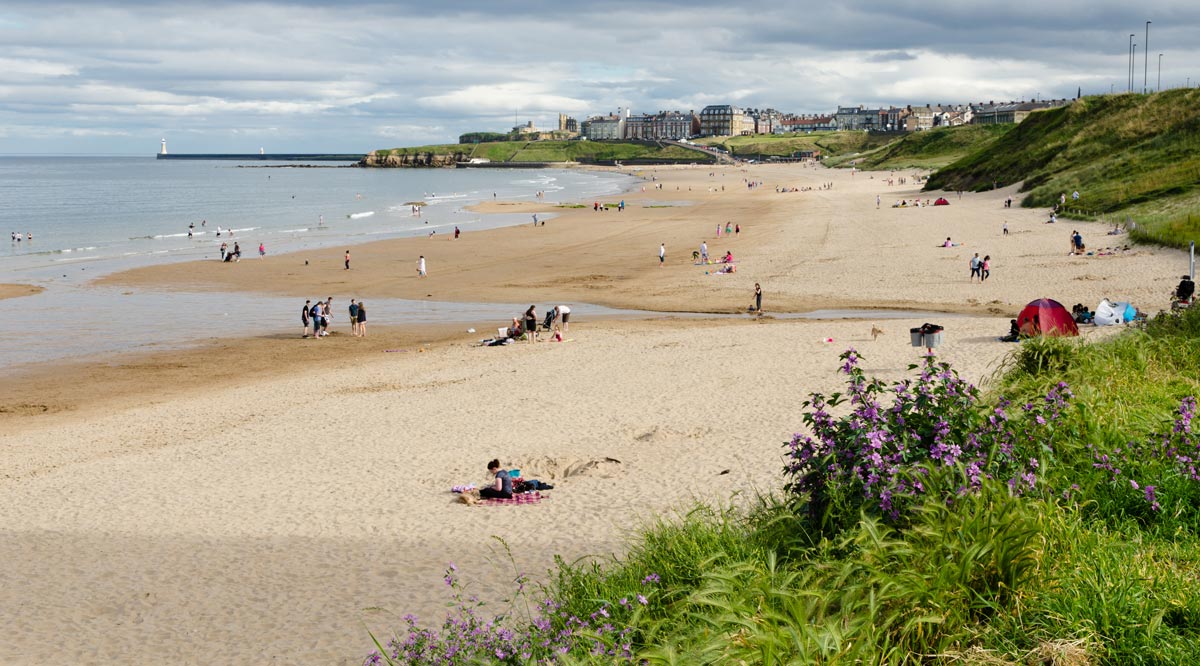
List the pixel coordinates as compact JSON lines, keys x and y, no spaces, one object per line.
{"x":1125,"y":154}
{"x":831,"y":144}
{"x":559,"y":151}
{"x":932,"y":149}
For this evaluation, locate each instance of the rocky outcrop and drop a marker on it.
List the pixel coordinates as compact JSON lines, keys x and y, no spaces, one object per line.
{"x":385,"y":159}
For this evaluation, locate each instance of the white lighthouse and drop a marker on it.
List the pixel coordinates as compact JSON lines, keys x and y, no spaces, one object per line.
{"x":163,"y":150}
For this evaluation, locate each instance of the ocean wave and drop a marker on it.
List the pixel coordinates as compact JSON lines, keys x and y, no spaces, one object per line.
{"x":359,"y":216}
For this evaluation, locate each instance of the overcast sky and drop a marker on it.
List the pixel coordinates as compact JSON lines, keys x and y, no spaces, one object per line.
{"x":313,"y":76}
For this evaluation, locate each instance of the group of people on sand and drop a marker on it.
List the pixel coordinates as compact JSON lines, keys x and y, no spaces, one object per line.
{"x":227,"y":255}
{"x":558,"y":320}
{"x":316,"y":318}
{"x":980,"y":268}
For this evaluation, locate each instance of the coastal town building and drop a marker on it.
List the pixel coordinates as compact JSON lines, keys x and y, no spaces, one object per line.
{"x":725,"y":120}
{"x":567,"y":124}
{"x":1011,"y":112}
{"x":857,"y":118}
{"x":805,"y":123}
{"x":662,"y":126}
{"x":605,"y":128}
{"x":764,"y":120}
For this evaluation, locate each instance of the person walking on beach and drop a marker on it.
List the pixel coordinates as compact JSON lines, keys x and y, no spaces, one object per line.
{"x":876,"y":202}
{"x":455,"y":233}
{"x":1006,"y":227}
{"x":362,"y":319}
{"x":304,"y":316}
{"x":421,"y":267}
{"x":757,"y":298}
{"x":262,"y":251}
{"x":975,"y":264}
{"x":315,"y":316}
{"x":347,"y":260}
{"x":353,"y":318}
{"x":737,"y":231}
{"x":237,"y":252}
{"x":985,"y":268}
{"x":662,"y":254}
{"x":326,"y":315}
{"x":704,"y":251}
{"x":531,"y":324}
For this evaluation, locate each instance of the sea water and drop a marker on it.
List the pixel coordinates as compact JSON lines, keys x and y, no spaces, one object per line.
{"x":95,"y":215}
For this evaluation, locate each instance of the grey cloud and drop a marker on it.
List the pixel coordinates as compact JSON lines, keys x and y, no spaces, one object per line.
{"x":337,"y":73}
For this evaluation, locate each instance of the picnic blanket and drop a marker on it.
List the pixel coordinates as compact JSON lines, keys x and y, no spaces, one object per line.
{"x":519,"y":498}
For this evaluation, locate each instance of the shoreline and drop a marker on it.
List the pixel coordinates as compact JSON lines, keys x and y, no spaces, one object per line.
{"x":809,"y":249}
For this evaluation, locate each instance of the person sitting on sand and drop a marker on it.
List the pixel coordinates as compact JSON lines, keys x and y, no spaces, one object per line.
{"x":949,"y":243}
{"x":1014,"y":332}
{"x":557,"y":337}
{"x":515,"y":331}
{"x":501,"y":488}
{"x":728,"y":259}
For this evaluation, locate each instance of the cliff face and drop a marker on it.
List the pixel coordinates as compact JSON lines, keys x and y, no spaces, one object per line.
{"x":427,"y":160}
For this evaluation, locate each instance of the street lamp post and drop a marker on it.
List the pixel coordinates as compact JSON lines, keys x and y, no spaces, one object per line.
{"x":1159,"y":87}
{"x":1129,"y":74}
{"x":1146,"y":59}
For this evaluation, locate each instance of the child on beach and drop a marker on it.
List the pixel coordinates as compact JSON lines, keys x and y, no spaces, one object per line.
{"x":421,"y":267}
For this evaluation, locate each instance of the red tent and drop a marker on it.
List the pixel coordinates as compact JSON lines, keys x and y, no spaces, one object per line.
{"x":1046,"y":316}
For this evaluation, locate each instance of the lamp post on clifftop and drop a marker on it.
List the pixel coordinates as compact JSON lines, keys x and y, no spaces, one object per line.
{"x":1146,"y":59}
{"x":1129,"y":74}
{"x":1158,"y":88}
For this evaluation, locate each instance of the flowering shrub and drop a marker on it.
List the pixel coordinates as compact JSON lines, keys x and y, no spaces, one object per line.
{"x":882,"y":455}
{"x":1175,"y":453}
{"x":544,"y":634}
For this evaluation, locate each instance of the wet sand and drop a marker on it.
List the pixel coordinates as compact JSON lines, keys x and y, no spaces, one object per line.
{"x":18,"y":290}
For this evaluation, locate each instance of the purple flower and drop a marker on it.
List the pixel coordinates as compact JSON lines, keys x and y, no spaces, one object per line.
{"x":642,"y":600}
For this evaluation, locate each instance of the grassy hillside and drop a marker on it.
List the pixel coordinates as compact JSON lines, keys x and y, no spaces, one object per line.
{"x":932,"y":149}
{"x":558,"y":151}
{"x":1134,"y":156}
{"x":833,"y":145}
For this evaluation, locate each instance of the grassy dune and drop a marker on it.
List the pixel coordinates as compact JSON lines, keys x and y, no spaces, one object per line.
{"x":932,"y":149}
{"x":1129,"y":156}
{"x":833,"y":145}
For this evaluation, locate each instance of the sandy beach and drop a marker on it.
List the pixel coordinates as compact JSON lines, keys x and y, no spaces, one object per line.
{"x":251,"y":500}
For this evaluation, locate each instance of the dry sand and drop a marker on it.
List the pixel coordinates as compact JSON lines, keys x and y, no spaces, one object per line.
{"x":199,"y":514}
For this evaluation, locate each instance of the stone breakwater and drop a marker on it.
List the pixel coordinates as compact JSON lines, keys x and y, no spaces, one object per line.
{"x":385,"y":159}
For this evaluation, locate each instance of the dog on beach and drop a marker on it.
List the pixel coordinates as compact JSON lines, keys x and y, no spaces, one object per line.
{"x":876,"y":332}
